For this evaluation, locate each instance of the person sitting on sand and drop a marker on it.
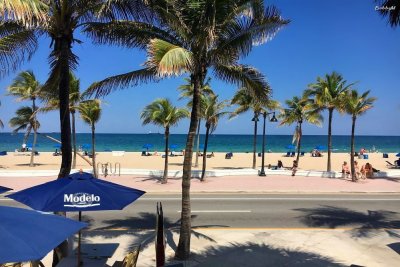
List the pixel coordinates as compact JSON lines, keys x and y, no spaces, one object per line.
{"x":366,"y":171}
{"x":155,"y":153}
{"x":345,"y":170}
{"x":280,"y":164}
{"x":318,"y":154}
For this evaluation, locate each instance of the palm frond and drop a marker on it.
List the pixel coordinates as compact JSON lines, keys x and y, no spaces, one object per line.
{"x":246,"y":77}
{"x":169,"y":59}
{"x":29,"y":12}
{"x":17,"y":44}
{"x":390,"y":9}
{"x":122,"y":81}
{"x":129,"y":34}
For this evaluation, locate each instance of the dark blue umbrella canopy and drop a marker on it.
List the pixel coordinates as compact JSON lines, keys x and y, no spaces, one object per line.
{"x":86,"y":146}
{"x":28,"y":235}
{"x":4,"y":189}
{"x":320,"y":147}
{"x":57,"y":145}
{"x":77,"y":192}
{"x":398,"y":155}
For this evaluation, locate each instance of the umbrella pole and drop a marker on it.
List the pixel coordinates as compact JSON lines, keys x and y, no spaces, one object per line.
{"x":79,"y":242}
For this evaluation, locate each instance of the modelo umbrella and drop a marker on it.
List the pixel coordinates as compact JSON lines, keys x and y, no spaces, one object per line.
{"x":77,"y":192}
{"x":320,"y":147}
{"x":28,"y":235}
{"x":398,"y":155}
{"x":4,"y":189}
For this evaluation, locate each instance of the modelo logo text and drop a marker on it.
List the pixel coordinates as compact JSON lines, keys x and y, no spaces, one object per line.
{"x":81,"y":200}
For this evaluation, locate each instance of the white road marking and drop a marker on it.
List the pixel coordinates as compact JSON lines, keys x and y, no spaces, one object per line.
{"x":277,"y":198}
{"x":218,"y":211}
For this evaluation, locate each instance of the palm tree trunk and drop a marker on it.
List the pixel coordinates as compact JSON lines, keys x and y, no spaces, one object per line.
{"x":329,"y":164}
{"x":353,"y":169}
{"x":196,"y":164}
{"x":94,"y":152}
{"x":255,"y":143}
{"x":32,"y":164}
{"x":26,"y":135}
{"x":203,"y":171}
{"x":299,"y":144}
{"x":65,"y":124}
{"x":183,"y":249}
{"x":73,"y":139}
{"x":165,"y":176}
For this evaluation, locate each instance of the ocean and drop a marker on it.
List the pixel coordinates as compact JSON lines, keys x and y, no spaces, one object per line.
{"x":217,"y":142}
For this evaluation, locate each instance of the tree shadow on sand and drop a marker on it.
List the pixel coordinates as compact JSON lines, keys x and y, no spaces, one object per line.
{"x":365,"y":224}
{"x":253,"y":255}
{"x":143,"y":228}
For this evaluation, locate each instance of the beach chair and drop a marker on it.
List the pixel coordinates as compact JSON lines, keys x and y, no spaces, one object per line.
{"x":302,"y":153}
{"x":259,"y":155}
{"x":292,"y":154}
{"x":3,"y":153}
{"x":287,"y":154}
{"x":385,"y":155}
{"x":228,"y":155}
{"x":391,"y":165}
{"x":130,"y":259}
{"x":143,"y":153}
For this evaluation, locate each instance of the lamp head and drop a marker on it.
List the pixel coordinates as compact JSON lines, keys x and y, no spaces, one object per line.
{"x":273,"y":119}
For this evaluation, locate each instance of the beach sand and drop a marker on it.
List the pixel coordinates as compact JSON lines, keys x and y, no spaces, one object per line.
{"x":134,"y":160}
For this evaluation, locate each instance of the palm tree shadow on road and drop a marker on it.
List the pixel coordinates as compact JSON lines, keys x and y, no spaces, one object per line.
{"x":364,"y":224}
{"x":143,"y":228}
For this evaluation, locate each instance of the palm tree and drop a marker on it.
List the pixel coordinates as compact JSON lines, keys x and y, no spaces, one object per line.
{"x":75,"y":97}
{"x":58,"y":20}
{"x":90,"y":111}
{"x":356,"y":105}
{"x":327,"y":94}
{"x":391,"y":12}
{"x":1,"y":122}
{"x":213,"y":111}
{"x":195,"y":38}
{"x":246,"y":101}
{"x":187,"y":92}
{"x":25,"y":119}
{"x":26,"y":87}
{"x":161,"y":112}
{"x":299,"y":110}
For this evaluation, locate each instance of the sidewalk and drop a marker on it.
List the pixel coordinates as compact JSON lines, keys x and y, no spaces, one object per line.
{"x":236,"y":184}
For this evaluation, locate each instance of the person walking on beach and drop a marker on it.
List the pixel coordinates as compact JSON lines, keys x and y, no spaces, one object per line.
{"x":294,"y":167}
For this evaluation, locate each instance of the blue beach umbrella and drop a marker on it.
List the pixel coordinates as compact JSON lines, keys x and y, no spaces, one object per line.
{"x":173,"y":146}
{"x":86,"y":146}
{"x":57,"y":145}
{"x":290,"y":147}
{"x":77,"y":192}
{"x":4,"y":189}
{"x":320,"y":147}
{"x":28,"y":235}
{"x":147,"y":146}
{"x":398,"y":155}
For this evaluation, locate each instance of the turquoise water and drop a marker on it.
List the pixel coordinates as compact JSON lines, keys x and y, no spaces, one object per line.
{"x":217,"y":143}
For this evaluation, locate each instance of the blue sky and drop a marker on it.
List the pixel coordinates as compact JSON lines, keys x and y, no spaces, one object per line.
{"x":324,"y":36}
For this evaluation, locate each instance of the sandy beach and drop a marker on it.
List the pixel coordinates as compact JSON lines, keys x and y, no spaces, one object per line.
{"x":134,"y":160}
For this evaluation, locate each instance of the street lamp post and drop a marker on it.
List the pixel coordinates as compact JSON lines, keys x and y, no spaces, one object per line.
{"x":273,"y":119}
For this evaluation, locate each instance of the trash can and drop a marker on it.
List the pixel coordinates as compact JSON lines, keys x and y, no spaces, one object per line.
{"x":360,"y":156}
{"x":365,"y":156}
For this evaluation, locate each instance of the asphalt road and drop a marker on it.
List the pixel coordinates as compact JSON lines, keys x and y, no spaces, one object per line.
{"x":267,"y":211}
